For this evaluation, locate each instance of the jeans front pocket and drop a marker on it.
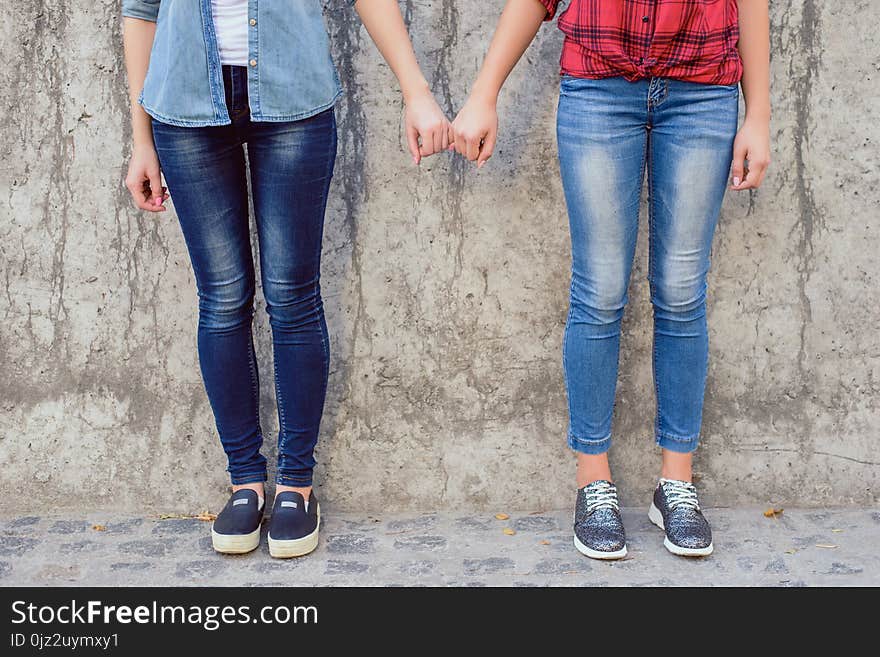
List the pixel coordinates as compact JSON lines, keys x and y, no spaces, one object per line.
{"x":571,"y":84}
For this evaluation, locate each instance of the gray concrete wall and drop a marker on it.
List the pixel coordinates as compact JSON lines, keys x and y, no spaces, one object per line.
{"x":446,"y":289}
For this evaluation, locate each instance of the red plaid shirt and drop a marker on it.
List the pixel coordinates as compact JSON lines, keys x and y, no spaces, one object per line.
{"x":694,"y":40}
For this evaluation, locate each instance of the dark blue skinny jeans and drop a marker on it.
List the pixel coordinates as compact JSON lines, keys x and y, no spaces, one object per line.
{"x":290,"y":165}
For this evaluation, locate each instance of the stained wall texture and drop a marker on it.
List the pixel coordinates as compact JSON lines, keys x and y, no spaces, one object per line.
{"x":446,"y":288}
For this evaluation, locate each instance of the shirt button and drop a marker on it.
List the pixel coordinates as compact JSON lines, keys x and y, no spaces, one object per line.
{"x":645,"y":19}
{"x":253,"y":22}
{"x":253,"y":62}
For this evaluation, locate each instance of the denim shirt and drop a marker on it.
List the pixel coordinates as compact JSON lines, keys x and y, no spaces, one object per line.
{"x":291,"y":75}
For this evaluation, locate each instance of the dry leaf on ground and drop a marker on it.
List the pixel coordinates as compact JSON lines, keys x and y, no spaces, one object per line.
{"x":509,"y":531}
{"x":773,"y":513}
{"x":501,"y":516}
{"x":204,"y":516}
{"x":99,"y":528}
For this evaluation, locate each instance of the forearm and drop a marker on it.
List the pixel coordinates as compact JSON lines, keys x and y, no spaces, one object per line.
{"x":517,"y":27}
{"x":138,"y":42}
{"x":754,"y":49}
{"x":385,"y":24}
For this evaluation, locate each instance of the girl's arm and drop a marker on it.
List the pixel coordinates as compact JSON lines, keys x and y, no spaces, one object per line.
{"x":476,"y":126}
{"x":144,"y":179}
{"x":427,"y":129}
{"x":752,"y":143}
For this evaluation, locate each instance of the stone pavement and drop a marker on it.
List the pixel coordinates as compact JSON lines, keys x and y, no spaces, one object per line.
{"x":801,"y":547}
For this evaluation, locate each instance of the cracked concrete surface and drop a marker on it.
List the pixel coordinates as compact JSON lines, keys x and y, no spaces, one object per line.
{"x":799,"y":548}
{"x":446,"y":289}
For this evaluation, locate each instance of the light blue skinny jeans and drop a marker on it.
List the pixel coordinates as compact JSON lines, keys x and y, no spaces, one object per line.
{"x":610,"y":131}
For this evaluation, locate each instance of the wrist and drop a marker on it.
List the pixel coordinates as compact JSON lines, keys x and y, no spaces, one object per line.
{"x":758,"y":113}
{"x":143,"y":143}
{"x":761,"y":121}
{"x":415,"y":89}
{"x":484,"y":93}
{"x":141,"y":132}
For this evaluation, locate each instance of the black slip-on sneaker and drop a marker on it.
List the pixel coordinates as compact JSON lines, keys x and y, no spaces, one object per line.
{"x":237,"y":529}
{"x":676,"y":511}
{"x":598,"y":529}
{"x":293,"y":528}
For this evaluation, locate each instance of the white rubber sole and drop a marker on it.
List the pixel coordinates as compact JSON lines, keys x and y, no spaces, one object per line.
{"x":656,"y":517}
{"x":597,"y":554}
{"x":297,"y":547}
{"x":235,"y":543}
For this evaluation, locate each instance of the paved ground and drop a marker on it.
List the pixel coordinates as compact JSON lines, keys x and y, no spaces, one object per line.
{"x":806,"y":547}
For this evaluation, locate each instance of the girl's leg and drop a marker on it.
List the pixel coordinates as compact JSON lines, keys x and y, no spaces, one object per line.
{"x":291,"y":166}
{"x":602,"y":143}
{"x":205,"y":172}
{"x":690,"y":152}
{"x":692,"y":127}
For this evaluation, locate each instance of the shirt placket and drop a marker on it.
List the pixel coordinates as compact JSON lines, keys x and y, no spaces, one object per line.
{"x":645,"y":26}
{"x":254,"y":58}
{"x":215,"y":68}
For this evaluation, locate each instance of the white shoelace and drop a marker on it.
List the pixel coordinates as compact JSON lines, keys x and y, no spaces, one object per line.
{"x":680,"y":493}
{"x":601,"y":495}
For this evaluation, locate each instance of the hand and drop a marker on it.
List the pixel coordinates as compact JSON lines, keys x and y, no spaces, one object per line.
{"x":751,"y":154}
{"x":427,"y":129}
{"x":144,"y":180}
{"x":475,"y":129}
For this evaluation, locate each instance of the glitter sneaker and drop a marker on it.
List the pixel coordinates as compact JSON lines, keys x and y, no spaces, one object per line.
{"x":598,"y":529}
{"x":675,"y":510}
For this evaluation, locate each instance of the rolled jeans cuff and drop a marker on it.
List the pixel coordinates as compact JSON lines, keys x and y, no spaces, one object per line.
{"x":251,"y":478}
{"x":677,"y":444}
{"x":589,"y":446}
{"x":300,"y":480}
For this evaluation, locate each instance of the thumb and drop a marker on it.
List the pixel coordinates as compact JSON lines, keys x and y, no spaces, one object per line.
{"x":156,"y":194}
{"x":412,"y":138}
{"x":487,"y":148}
{"x":739,"y":165}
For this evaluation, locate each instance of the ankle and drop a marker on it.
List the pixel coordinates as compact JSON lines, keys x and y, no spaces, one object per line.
{"x":677,"y":466}
{"x":257,"y":487}
{"x":305,"y":491}
{"x":676,"y":477}
{"x":592,"y":468}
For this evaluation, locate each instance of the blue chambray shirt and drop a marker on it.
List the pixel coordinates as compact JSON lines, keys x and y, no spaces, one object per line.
{"x":291,"y":75}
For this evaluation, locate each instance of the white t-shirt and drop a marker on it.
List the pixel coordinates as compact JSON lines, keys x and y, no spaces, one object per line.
{"x":231,"y":28}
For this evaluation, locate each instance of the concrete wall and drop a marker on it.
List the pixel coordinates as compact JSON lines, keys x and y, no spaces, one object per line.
{"x":446,"y":289}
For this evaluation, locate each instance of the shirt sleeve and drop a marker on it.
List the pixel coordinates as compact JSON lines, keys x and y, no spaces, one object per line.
{"x":551,"y":6}
{"x":147,"y":10}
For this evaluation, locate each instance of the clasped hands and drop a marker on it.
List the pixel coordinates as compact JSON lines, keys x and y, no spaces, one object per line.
{"x":472,"y":134}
